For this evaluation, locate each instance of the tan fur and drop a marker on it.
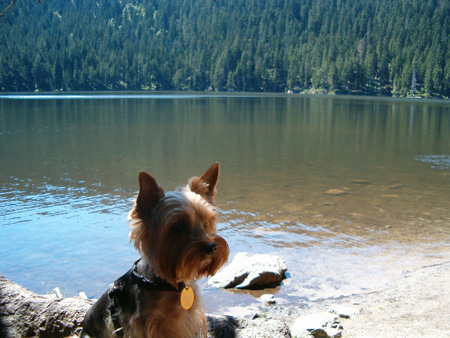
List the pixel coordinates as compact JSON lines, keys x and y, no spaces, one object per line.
{"x":168,"y":319}
{"x":171,"y":231}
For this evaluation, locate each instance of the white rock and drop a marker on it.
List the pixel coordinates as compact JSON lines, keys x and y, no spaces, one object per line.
{"x":248,"y":271}
{"x":313,"y":321}
{"x":238,"y":327}
{"x":302,"y":334}
{"x":263,"y":328}
{"x":320,"y":324}
{"x":268,"y":298}
{"x":82,"y":295}
{"x":58,"y":293}
{"x":333,"y":332}
{"x":344,"y":311}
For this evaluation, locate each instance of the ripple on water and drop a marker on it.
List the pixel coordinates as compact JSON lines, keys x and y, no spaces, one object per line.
{"x":441,"y":162}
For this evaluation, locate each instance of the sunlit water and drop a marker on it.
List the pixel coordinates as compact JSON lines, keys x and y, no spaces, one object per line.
{"x":69,"y":168}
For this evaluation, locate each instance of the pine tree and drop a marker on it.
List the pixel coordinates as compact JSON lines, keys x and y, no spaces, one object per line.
{"x":414,"y":80}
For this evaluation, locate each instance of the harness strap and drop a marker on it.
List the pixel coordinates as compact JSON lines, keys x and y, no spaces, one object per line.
{"x":130,"y":278}
{"x":114,"y":311}
{"x":161,"y":286}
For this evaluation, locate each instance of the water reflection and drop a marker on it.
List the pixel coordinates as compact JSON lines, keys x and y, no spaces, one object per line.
{"x":441,"y":162}
{"x":69,"y":170}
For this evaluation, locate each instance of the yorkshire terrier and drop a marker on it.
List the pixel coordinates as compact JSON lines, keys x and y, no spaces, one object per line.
{"x":175,"y":233}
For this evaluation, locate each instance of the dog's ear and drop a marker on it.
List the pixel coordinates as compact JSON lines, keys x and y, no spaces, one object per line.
{"x":206,"y":185}
{"x":149,"y":194}
{"x":211,"y":176}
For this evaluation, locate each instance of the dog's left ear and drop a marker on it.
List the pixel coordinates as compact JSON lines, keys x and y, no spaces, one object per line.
{"x":206,"y":185}
{"x":149,"y":194}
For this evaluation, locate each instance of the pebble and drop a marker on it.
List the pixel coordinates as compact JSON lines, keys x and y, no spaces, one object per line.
{"x":58,"y":293}
{"x":268,"y":298}
{"x":82,"y":295}
{"x":323,"y":324}
{"x":335,"y":192}
{"x":344,"y":311}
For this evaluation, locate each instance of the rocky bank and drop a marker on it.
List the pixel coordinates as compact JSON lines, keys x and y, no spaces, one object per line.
{"x":415,"y":305}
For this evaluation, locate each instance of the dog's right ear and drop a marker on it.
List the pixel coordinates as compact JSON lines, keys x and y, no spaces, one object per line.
{"x":206,"y":185}
{"x":149,"y":194}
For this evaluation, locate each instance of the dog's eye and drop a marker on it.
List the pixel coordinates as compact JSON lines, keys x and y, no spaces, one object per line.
{"x":206,"y":225}
{"x":178,"y":227}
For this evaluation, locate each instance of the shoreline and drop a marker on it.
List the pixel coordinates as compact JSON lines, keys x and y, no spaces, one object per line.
{"x":83,"y":94}
{"x":414,"y":305}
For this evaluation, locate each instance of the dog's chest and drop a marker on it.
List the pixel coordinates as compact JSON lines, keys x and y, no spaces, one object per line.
{"x":160,"y":314}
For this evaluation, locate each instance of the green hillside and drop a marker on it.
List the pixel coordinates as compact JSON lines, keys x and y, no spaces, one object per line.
{"x":376,"y":47}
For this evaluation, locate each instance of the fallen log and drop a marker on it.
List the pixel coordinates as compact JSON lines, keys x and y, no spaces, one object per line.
{"x":26,"y":314}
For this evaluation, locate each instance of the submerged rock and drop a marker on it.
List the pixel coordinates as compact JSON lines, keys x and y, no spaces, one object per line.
{"x":251,"y":271}
{"x":360,"y":181}
{"x":396,"y":186}
{"x":335,"y":192}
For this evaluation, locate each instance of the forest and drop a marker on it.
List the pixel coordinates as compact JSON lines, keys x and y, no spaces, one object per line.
{"x":369,"y":47}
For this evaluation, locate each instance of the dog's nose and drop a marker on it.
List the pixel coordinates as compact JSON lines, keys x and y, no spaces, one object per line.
{"x":211,"y":248}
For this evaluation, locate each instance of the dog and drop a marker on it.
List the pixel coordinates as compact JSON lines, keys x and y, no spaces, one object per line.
{"x":175,"y":234}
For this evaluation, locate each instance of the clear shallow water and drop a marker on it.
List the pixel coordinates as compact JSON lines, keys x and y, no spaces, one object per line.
{"x":69,"y":167}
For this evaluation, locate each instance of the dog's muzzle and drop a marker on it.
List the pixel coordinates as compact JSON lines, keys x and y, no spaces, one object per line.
{"x":211,"y":248}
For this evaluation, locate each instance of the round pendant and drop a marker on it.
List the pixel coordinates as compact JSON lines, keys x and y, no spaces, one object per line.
{"x":187,"y":298}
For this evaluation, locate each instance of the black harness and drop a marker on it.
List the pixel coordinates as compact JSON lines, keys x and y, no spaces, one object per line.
{"x":122,"y":285}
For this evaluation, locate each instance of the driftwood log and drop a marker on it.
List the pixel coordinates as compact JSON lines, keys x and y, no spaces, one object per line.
{"x":26,"y":314}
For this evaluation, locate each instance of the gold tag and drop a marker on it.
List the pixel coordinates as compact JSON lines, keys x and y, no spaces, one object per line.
{"x":187,"y":298}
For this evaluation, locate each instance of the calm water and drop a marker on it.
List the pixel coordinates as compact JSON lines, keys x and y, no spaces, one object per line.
{"x":69,"y":167}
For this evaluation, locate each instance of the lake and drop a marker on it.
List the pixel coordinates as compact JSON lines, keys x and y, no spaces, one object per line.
{"x":69,"y":175}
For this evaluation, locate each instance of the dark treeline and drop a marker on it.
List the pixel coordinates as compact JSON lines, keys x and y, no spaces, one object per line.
{"x":378,"y":47}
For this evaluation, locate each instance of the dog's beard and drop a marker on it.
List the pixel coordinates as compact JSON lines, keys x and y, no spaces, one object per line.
{"x":194,"y":263}
{"x":185,"y":263}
